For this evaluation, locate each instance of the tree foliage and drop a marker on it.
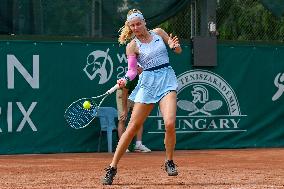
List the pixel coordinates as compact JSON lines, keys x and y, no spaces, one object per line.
{"x":248,"y":20}
{"x":243,"y":20}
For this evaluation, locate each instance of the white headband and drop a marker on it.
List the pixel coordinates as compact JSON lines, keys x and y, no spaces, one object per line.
{"x":135,"y":15}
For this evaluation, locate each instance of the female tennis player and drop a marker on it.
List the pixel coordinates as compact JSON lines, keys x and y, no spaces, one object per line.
{"x":157,"y":84}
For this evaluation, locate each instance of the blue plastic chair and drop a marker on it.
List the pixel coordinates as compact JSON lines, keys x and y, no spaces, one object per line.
{"x":107,"y":117}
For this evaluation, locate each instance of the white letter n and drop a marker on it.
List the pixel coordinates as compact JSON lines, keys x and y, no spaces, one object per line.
{"x":13,"y":62}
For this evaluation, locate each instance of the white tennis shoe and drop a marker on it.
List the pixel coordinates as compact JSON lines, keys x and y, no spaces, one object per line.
{"x":142,"y":148}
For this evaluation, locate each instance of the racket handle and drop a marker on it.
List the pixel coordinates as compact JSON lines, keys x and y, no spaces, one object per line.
{"x":114,"y":88}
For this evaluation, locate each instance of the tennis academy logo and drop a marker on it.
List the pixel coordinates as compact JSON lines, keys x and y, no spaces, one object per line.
{"x":206,"y":103}
{"x":100,"y":64}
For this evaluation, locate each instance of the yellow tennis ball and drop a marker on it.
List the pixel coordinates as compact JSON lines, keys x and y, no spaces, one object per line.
{"x":87,"y":104}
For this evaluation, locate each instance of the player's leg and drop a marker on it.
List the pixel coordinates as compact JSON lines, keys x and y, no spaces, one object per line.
{"x":139,"y":136}
{"x":120,"y":127}
{"x":139,"y":147}
{"x":139,"y":114}
{"x":121,"y":121}
{"x":168,"y":110}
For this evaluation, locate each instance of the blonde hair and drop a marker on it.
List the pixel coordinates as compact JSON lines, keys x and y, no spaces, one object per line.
{"x":125,"y":32}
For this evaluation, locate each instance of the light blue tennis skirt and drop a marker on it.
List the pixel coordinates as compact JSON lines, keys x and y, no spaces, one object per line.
{"x":154,"y":85}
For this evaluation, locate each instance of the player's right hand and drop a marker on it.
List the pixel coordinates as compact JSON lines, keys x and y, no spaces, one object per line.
{"x":123,"y":116}
{"x":121,"y":82}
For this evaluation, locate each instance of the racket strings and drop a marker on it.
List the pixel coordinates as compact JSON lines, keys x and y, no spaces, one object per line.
{"x":77,"y":116}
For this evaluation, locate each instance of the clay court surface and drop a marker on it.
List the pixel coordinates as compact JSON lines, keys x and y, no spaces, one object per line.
{"x":230,"y":169}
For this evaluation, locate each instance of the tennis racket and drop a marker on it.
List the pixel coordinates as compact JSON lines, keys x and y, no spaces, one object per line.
{"x":78,"y":117}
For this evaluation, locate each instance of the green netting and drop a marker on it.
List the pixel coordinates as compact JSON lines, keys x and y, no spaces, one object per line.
{"x":89,"y":18}
{"x":238,"y":20}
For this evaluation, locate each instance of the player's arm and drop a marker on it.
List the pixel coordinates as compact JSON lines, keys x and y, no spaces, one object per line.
{"x":172,"y":41}
{"x":131,"y":52}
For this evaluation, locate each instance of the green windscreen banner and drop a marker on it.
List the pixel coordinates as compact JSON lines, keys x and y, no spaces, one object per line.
{"x":237,"y":104}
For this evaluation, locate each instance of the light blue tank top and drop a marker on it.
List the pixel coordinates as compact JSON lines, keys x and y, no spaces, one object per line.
{"x":152,"y":54}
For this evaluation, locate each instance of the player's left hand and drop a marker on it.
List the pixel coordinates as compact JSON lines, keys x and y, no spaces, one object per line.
{"x":173,"y":41}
